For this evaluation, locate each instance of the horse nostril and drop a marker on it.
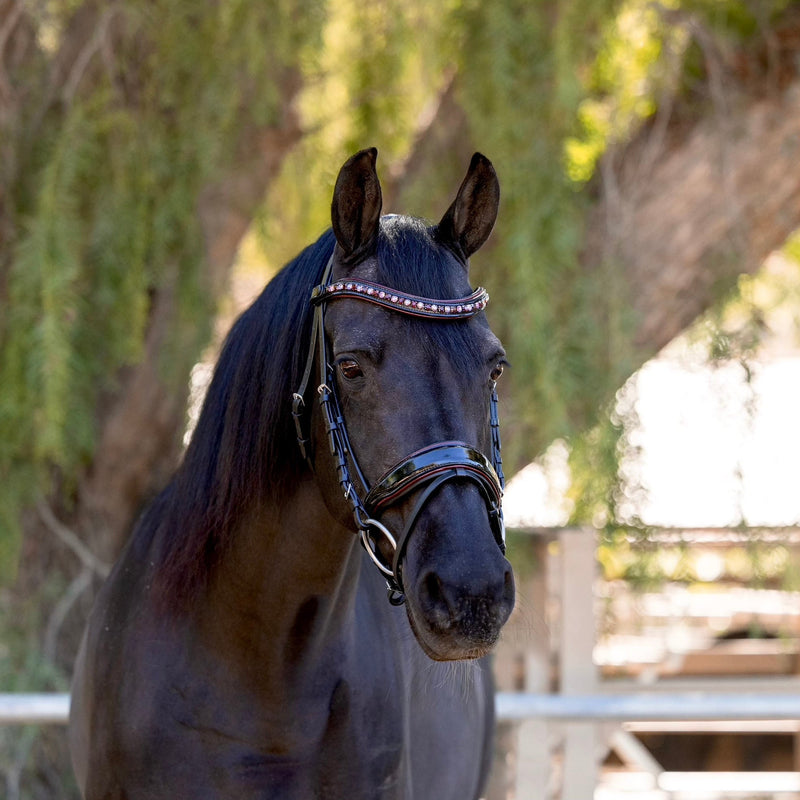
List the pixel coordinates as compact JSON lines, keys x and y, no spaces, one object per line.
{"x":508,"y":584}
{"x":508,"y":595}
{"x":433,"y":587}
{"x":434,"y":600}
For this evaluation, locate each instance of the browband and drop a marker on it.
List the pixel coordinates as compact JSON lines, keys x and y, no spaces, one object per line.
{"x":400,"y":301}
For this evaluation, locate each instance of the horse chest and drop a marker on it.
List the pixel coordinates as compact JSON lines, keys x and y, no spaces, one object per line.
{"x":325,"y":748}
{"x":337,"y":730}
{"x":362,"y":751}
{"x":360,"y":747}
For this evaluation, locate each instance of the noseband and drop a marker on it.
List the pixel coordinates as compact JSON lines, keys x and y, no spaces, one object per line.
{"x":423,"y":471}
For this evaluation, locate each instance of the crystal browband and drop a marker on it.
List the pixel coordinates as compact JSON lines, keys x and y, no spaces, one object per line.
{"x":399,"y":301}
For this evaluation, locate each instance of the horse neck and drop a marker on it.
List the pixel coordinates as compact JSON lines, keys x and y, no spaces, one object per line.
{"x":286,"y":589}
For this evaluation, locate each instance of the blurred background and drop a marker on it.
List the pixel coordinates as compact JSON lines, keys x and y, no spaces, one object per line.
{"x":160,"y":160}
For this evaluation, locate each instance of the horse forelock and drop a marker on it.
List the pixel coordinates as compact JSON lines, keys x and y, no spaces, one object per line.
{"x":411,"y":260}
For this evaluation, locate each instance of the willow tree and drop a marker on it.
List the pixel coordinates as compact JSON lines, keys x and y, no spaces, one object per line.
{"x":647,"y":152}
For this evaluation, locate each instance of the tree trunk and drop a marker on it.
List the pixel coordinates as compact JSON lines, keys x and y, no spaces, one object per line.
{"x":683,"y":218}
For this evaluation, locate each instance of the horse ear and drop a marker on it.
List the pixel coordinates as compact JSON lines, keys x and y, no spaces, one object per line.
{"x":468,"y":222}
{"x":356,"y":206}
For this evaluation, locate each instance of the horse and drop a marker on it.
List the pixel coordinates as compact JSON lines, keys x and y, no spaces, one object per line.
{"x":308,"y":609}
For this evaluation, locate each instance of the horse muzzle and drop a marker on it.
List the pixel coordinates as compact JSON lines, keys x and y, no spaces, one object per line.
{"x":458,"y":585}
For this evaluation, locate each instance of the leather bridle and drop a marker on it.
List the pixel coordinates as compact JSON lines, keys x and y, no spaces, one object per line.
{"x":423,"y":471}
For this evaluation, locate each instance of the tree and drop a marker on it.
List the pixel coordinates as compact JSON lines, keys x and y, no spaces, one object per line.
{"x":647,"y":156}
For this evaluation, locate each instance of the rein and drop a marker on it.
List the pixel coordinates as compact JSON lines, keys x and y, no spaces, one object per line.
{"x":424,"y":470}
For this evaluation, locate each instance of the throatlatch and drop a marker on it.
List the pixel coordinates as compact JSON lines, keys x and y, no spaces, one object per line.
{"x":424,"y":470}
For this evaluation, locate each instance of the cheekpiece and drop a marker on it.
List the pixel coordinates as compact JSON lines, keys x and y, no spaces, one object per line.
{"x":399,"y":301}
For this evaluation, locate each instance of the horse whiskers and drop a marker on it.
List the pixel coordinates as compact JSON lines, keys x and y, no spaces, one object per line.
{"x":442,"y":675}
{"x":528,"y":623}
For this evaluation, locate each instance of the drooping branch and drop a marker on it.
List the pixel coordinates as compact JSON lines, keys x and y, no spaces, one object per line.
{"x":90,"y":561}
{"x":94,"y":45}
{"x":10,"y":16}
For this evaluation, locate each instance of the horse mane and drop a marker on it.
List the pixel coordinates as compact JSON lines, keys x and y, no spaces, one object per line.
{"x":411,"y":259}
{"x":244,"y":446}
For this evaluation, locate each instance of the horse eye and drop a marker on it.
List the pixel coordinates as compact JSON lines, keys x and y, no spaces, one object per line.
{"x":350,"y":369}
{"x":496,"y":372}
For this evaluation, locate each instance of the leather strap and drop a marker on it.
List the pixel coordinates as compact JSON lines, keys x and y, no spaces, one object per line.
{"x":298,"y":401}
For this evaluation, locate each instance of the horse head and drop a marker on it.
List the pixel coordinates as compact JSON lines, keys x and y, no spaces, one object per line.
{"x":407,"y":383}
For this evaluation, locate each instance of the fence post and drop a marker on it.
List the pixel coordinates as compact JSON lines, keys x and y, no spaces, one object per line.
{"x":533,"y":771}
{"x":578,"y":674}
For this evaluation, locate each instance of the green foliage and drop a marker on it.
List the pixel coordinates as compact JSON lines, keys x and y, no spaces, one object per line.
{"x":103,"y":197}
{"x":650,"y":53}
{"x":625,"y":80}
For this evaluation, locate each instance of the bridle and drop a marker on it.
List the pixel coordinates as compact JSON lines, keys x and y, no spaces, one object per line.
{"x":423,"y":471}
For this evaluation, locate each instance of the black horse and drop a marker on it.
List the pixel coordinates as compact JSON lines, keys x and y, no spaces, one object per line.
{"x":244,"y":645}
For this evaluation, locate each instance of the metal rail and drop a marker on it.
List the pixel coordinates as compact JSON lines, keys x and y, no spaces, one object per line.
{"x":34,"y":709}
{"x":648,"y":707}
{"x":53,"y":709}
